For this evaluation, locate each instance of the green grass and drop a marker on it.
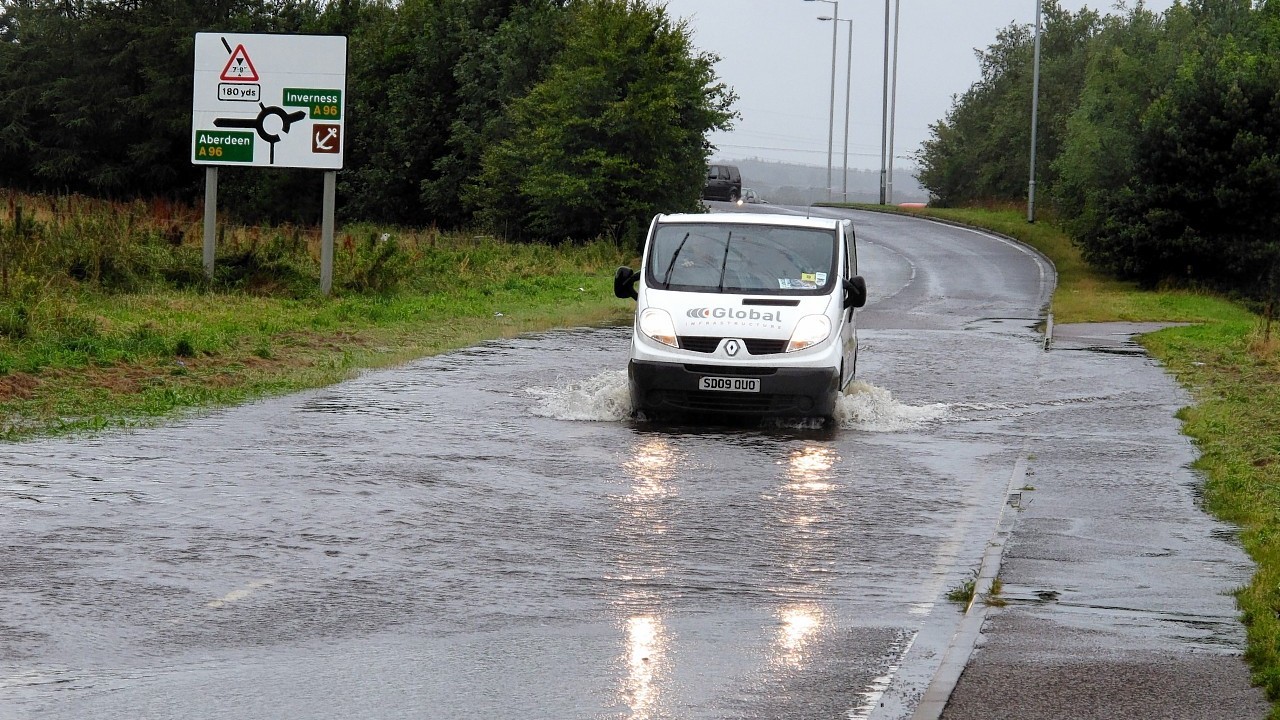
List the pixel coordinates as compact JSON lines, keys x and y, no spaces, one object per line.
{"x":77,"y":354}
{"x":963,"y":593}
{"x":993,"y":597}
{"x":1233,"y":373}
{"x":159,"y":353}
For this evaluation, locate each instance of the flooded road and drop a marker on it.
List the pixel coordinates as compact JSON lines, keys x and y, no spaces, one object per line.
{"x":486,"y":534}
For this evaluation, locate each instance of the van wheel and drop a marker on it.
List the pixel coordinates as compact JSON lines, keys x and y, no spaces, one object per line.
{"x":733,"y":196}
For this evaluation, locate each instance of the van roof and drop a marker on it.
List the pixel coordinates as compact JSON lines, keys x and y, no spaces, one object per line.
{"x":740,"y":218}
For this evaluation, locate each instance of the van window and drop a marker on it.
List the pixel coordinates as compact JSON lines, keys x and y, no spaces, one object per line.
{"x":746,"y":259}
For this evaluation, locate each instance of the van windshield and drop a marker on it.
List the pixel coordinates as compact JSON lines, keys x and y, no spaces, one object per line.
{"x":742,"y":259}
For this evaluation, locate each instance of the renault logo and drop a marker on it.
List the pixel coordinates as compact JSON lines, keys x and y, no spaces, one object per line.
{"x":732,"y":347}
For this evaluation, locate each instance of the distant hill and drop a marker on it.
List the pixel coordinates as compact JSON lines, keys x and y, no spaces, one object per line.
{"x":792,"y":184}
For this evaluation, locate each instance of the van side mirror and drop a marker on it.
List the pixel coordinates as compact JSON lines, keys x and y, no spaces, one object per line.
{"x":624,"y":283}
{"x":855,"y":292}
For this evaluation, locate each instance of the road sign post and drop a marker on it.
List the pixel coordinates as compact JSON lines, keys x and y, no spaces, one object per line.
{"x":269,"y":101}
{"x":326,"y":232}
{"x":210,"y":216}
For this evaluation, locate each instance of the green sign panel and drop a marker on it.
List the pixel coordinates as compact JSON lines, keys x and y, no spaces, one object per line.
{"x":217,"y":146}
{"x":320,"y":104}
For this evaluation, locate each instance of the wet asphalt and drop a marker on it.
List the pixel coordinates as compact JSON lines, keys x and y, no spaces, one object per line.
{"x":486,"y":534}
{"x":1118,"y":585}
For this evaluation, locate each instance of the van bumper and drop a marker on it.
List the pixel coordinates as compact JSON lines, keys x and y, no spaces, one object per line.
{"x":660,"y":389}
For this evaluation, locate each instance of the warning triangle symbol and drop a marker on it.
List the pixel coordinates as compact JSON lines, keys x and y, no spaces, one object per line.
{"x":239,"y":68}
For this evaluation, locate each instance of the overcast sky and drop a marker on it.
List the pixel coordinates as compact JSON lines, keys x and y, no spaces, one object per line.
{"x":777,"y":57}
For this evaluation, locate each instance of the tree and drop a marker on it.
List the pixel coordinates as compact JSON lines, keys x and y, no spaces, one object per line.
{"x":1188,"y":188}
{"x":981,"y":151}
{"x":503,"y":58}
{"x":434,"y":76}
{"x":1204,"y":203}
{"x":1131,"y":63}
{"x":614,"y":133}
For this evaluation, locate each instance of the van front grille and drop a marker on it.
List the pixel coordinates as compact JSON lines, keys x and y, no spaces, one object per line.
{"x":708,"y":344}
{"x":698,"y":343}
{"x":765,"y":347}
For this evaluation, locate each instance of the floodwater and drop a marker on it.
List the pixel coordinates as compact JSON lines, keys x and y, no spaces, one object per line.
{"x":488,"y":534}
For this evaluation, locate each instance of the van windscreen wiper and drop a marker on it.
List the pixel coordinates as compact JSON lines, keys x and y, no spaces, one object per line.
{"x":666,"y":277}
{"x":724,"y":262}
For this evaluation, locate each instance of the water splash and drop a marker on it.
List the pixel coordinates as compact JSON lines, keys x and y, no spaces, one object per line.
{"x":866,"y":407}
{"x":602,"y":398}
{"x":605,"y":398}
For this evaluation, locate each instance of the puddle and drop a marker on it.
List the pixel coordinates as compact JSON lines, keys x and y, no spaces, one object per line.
{"x":1028,"y":328}
{"x":1131,"y":349}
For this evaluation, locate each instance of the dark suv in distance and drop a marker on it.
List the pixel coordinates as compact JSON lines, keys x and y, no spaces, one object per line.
{"x":724,"y":182}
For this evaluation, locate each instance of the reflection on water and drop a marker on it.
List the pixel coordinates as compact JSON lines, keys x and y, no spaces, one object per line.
{"x":652,"y":463}
{"x":800,"y":623}
{"x":651,"y":466}
{"x":646,"y":645}
{"x":808,"y":487}
{"x":810,"y":469}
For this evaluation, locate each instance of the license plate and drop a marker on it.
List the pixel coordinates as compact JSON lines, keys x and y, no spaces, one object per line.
{"x":730,"y":384}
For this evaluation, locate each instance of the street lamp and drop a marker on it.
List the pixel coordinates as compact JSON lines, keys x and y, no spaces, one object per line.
{"x":1035,"y":109}
{"x":893,"y":98}
{"x":884,"y":116}
{"x":831,"y":120}
{"x":848,"y":78}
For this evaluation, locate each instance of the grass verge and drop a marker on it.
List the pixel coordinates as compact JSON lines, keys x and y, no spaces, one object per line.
{"x":78,"y":357}
{"x":1233,"y":373}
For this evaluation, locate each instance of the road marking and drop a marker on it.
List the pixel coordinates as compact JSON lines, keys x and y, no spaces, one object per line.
{"x":238,"y":594}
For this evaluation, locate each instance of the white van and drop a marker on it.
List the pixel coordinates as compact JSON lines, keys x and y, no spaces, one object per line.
{"x":743,"y":314}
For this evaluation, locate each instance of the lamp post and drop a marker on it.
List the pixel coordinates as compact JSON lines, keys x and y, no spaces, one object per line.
{"x":848,"y":79}
{"x":893,"y":98}
{"x":884,"y":115}
{"x":1035,"y":108}
{"x":831,"y":120}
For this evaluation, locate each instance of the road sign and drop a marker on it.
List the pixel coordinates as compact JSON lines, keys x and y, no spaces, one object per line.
{"x":239,"y":68}
{"x":269,"y":100}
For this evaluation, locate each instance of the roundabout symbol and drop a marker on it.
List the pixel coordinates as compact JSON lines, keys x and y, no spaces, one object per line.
{"x":259,"y":124}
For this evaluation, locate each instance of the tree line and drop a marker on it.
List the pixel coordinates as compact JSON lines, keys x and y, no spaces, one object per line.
{"x":1158,"y":141}
{"x":543,"y":120}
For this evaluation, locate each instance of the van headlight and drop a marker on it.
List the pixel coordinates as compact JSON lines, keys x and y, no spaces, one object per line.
{"x":656,"y":324}
{"x":811,"y":330}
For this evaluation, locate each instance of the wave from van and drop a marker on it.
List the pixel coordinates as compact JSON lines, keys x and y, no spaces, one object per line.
{"x":605,"y":398}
